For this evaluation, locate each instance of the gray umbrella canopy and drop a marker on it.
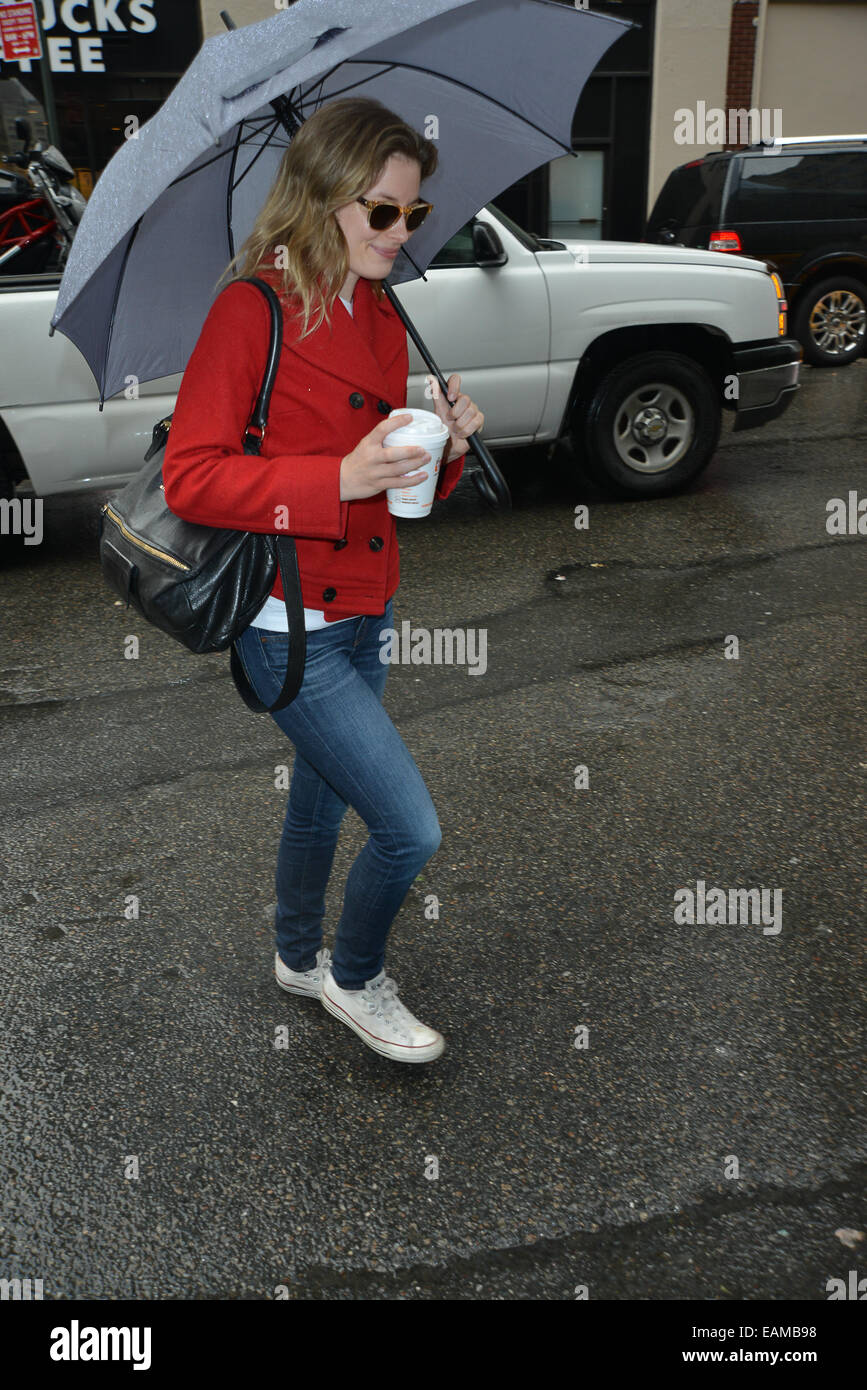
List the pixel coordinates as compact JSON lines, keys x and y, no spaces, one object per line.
{"x":175,"y":203}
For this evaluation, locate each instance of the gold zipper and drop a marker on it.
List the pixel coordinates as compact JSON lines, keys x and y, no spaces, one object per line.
{"x":143,"y":545}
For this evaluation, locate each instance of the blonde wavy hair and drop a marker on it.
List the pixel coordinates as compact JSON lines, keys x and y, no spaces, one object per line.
{"x":337,"y":155}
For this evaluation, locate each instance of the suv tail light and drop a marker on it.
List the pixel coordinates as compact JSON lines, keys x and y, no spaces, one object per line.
{"x":782,"y":307}
{"x":724,"y":241}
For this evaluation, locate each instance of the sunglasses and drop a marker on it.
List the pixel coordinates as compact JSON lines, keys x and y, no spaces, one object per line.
{"x":382,"y":215}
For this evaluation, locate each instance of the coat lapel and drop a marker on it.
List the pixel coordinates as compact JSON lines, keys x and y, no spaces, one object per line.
{"x":360,"y":347}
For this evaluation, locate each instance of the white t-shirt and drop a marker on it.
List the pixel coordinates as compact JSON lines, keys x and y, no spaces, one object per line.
{"x":272,"y":614}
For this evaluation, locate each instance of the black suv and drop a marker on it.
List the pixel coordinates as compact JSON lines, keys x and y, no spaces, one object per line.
{"x":799,"y":204}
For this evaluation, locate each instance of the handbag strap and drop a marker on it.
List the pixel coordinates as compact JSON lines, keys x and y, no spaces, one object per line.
{"x":287,"y":556}
{"x":259,"y":418}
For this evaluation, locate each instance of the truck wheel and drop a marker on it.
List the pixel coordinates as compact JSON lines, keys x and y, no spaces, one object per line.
{"x":830,"y":321}
{"x":651,"y":426}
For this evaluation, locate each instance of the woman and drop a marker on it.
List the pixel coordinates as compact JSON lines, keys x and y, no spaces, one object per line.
{"x":323,"y":233}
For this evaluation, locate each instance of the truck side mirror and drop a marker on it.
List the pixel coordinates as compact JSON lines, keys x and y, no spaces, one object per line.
{"x":487,"y":247}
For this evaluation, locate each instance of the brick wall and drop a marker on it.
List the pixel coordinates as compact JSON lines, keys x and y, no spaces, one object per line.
{"x":742,"y":51}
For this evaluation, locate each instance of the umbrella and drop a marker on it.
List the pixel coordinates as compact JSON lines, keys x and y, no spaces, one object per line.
{"x":174,"y":203}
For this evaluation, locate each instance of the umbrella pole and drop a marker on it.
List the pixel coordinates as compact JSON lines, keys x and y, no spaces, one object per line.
{"x":489,"y":481}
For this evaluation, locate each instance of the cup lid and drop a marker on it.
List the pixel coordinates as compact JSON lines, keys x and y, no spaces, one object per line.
{"x":425,"y":424}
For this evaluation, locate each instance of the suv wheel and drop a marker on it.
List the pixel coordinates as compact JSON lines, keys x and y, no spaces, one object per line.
{"x":830,"y":321}
{"x":651,"y":427}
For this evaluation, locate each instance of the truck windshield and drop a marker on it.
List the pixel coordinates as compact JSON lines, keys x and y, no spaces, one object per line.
{"x":528,"y":239}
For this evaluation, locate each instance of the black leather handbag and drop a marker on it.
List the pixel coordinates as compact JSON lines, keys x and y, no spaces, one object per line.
{"x":203,"y":585}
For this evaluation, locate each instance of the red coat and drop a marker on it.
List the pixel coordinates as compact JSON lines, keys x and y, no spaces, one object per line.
{"x":329,"y":392}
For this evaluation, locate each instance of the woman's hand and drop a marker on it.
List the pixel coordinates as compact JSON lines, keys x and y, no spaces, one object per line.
{"x":459,"y":413}
{"x":371,"y":468}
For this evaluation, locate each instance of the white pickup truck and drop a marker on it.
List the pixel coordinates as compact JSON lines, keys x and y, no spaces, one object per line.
{"x":630,"y":349}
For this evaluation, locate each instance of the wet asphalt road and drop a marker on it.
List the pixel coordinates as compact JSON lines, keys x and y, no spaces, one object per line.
{"x":608,"y":1166}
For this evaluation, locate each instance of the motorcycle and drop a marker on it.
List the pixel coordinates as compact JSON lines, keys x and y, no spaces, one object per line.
{"x":40,"y":213}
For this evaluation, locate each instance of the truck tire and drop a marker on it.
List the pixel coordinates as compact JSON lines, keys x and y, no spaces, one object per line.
{"x":830,"y":321}
{"x":651,"y":426}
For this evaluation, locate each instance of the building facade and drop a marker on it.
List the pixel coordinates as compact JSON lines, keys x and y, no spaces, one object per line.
{"x":648,"y":106}
{"x":110,"y":60}
{"x":797,"y":64}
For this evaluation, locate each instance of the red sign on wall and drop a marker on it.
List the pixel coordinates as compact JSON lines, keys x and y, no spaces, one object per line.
{"x":19,"y":32}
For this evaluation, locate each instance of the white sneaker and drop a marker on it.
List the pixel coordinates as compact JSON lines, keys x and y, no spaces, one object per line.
{"x":379,"y":1018}
{"x":303,"y":981}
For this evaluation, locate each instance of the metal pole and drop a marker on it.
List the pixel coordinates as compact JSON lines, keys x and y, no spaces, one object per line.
{"x":489,"y":481}
{"x":47,"y":85}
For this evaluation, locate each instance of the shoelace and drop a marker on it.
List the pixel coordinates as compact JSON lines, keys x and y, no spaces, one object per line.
{"x":385,"y":997}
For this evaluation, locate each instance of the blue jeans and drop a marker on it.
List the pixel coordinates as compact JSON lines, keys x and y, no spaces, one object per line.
{"x":348,"y":752}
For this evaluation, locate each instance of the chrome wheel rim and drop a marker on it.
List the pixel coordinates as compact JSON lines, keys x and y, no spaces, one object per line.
{"x":654,"y":428}
{"x":837,"y":322}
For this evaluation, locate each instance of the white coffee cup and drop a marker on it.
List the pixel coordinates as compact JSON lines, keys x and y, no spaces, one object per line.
{"x":428,"y":432}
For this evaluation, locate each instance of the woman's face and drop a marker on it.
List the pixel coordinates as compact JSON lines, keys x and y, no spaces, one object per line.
{"x":372,"y":254}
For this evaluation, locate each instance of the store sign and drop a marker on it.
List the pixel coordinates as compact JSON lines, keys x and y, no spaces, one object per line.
{"x":92,"y":36}
{"x":19,"y":32}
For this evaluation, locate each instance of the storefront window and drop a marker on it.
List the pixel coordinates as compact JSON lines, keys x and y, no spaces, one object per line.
{"x":109,"y":60}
